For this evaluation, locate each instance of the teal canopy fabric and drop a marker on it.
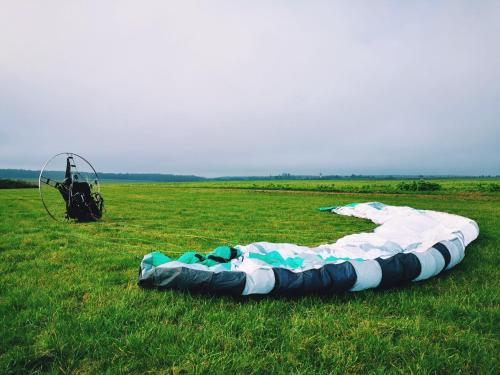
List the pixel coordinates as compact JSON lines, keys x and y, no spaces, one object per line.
{"x":408,"y":245}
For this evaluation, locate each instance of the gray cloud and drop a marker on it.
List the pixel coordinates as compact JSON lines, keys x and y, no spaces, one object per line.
{"x":239,"y":87}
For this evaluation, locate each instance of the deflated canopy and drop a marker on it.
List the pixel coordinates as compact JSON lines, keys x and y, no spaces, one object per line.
{"x":408,"y":245}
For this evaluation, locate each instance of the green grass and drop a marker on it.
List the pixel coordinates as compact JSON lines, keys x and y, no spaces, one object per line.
{"x":69,"y":301}
{"x":446,"y":186}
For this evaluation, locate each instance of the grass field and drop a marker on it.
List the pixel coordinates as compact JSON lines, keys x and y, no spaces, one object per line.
{"x":446,"y":186}
{"x":69,"y":302}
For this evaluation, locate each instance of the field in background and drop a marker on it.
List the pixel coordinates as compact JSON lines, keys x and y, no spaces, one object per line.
{"x":69,"y":300}
{"x":466,"y":185}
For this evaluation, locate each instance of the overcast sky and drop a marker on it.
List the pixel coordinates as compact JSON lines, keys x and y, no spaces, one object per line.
{"x":252,"y":87}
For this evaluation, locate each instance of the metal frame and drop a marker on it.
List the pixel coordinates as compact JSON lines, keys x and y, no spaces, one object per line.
{"x":67,"y":154}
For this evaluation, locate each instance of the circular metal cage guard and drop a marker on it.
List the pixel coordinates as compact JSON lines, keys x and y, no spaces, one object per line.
{"x":69,"y":188}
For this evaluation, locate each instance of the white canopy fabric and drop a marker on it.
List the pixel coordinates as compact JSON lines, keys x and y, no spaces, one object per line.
{"x":408,"y":245}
